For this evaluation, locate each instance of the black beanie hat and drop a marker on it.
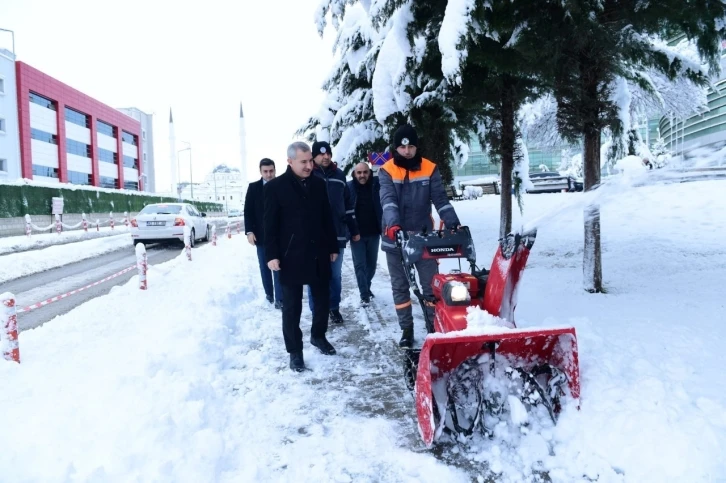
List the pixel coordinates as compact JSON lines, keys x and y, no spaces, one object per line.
{"x":321,"y":147}
{"x":404,"y":136}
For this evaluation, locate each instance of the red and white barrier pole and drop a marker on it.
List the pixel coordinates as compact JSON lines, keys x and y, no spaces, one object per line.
{"x":110,"y":215}
{"x":229,"y":231}
{"x":85,"y":222}
{"x":9,"y":328}
{"x":126,"y":219}
{"x":28,"y":229}
{"x":238,"y":232}
{"x":214,"y":235}
{"x":188,"y":241}
{"x":141,"y":265}
{"x":58,"y":224}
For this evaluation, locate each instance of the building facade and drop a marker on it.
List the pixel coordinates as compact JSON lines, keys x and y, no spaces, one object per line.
{"x":66,"y":136}
{"x":9,"y":141}
{"x":223,"y":185}
{"x":147,"y":146}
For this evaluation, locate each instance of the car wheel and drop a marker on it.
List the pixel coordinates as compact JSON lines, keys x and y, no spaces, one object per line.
{"x":206,"y":237}
{"x":192,"y":242}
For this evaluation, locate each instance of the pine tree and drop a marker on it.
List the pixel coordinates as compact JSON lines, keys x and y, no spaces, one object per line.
{"x":592,"y":44}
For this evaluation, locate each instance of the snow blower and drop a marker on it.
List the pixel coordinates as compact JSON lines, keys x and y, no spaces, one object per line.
{"x":467,"y":377}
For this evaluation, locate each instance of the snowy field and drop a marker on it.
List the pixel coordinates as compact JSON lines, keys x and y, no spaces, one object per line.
{"x":188,"y":381}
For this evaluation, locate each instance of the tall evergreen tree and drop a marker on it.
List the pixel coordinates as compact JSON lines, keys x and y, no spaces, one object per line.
{"x":591,"y":44}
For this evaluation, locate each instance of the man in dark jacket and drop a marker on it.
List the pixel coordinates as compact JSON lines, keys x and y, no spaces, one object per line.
{"x":409,"y":185}
{"x":341,"y":205}
{"x":300,"y":243}
{"x":255,"y":231}
{"x":365,"y":190}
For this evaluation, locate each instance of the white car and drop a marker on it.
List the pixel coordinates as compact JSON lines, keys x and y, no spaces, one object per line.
{"x":160,"y":222}
{"x":233,"y":213}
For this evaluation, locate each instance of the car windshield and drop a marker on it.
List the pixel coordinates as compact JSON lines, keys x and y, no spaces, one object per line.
{"x":161,"y":210}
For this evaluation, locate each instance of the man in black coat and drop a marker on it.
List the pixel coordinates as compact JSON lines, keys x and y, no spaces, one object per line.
{"x":300,"y":243}
{"x":255,"y":231}
{"x":365,"y":192}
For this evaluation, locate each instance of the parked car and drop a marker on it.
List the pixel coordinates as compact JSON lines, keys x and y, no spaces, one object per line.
{"x":551,"y":182}
{"x":233,"y":213}
{"x":161,"y":222}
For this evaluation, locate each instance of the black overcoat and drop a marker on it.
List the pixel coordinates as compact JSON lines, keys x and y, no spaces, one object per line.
{"x":299,"y":229}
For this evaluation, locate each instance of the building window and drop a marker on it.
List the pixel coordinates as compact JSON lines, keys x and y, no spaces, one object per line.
{"x":3,"y":165}
{"x":144,"y":156}
{"x":105,"y":128}
{"x":107,"y":182}
{"x":129,"y":138}
{"x":107,"y":156}
{"x":2,"y":125}
{"x":131,"y":185}
{"x":2,"y":91}
{"x":43,"y":136}
{"x":130,"y":162}
{"x":42,"y":101}
{"x":231,"y":197}
{"x":76,"y":177}
{"x":143,"y":134}
{"x":39,"y":170}
{"x":78,"y":148}
{"x":77,"y":117}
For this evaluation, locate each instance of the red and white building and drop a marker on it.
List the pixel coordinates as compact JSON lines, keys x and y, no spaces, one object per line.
{"x":66,"y":136}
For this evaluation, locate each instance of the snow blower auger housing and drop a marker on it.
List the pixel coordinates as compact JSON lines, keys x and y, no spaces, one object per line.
{"x":468,"y":378}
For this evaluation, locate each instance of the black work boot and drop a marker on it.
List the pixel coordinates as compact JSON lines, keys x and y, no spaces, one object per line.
{"x":365,"y":301}
{"x":406,"y":338}
{"x":323,"y":345}
{"x":269,"y":299}
{"x":297,"y":363}
{"x":278,"y":305}
{"x":335,"y":316}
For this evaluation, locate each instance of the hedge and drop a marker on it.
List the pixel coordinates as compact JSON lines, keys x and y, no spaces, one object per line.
{"x":19,"y":200}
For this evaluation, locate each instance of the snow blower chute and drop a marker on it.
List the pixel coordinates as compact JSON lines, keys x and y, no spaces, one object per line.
{"x":464,"y":376}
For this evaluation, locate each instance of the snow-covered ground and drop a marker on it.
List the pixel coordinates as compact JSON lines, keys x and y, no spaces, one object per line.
{"x":20,"y":264}
{"x":188,"y":381}
{"x":11,"y":244}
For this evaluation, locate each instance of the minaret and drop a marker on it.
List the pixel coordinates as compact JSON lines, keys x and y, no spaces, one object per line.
{"x":172,"y":155}
{"x":243,"y":148}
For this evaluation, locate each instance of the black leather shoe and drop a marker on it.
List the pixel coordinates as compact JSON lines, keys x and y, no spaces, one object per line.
{"x":323,"y":345}
{"x":297,"y":363}
{"x":406,"y":338}
{"x":335,"y":317}
{"x":365,"y":301}
{"x":278,"y":305}
{"x":269,"y":298}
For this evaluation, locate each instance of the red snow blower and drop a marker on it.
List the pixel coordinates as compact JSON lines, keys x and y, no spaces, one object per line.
{"x":467,"y":377}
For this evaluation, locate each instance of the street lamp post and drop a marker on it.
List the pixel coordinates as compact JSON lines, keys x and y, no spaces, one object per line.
{"x":191,"y":179}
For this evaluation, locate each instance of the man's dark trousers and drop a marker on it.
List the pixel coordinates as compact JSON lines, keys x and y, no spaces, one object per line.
{"x":365,"y":258}
{"x":292,"y":308}
{"x":270,"y":278}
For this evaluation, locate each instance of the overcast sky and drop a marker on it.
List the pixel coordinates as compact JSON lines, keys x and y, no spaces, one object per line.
{"x":199,"y":57}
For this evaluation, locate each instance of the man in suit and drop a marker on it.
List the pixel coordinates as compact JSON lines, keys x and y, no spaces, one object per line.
{"x":300,"y":244}
{"x":255,"y":231}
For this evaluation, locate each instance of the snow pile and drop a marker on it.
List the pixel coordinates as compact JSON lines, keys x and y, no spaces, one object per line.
{"x":480,"y":321}
{"x":473,"y":192}
{"x":15,"y":265}
{"x":10,"y":244}
{"x":631,"y":166}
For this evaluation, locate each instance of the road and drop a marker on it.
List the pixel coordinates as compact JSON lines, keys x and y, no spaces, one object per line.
{"x":44,"y":285}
